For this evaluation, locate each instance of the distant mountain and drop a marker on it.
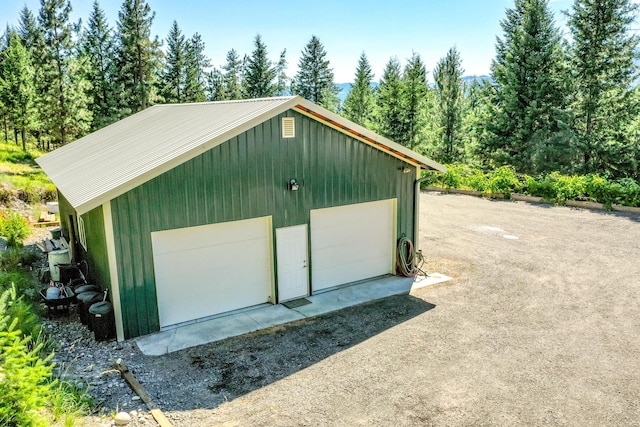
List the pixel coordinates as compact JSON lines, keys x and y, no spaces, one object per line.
{"x":345,"y":88}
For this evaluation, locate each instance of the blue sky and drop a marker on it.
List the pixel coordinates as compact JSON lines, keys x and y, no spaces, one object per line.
{"x":346,"y":27}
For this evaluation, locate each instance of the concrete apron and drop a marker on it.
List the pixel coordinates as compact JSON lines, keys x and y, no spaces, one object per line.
{"x":263,"y":317}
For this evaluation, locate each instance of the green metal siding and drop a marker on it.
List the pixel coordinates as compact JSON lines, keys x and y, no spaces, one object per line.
{"x":65,"y":211}
{"x":96,"y":254}
{"x":246,"y":177}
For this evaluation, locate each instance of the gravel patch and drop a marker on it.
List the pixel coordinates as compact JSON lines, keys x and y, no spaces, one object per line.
{"x":539,"y":326}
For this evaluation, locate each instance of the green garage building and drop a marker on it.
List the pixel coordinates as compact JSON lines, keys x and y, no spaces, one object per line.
{"x":187,"y":211}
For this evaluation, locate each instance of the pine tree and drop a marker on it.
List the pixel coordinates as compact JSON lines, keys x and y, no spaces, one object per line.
{"x":602,"y":58}
{"x":67,"y":115}
{"x":17,"y":87}
{"x":4,"y":108}
{"x":415,"y":101}
{"x":530,"y":122}
{"x":259,"y":73}
{"x":216,"y":88}
{"x":33,"y":40}
{"x":99,"y":49}
{"x":137,"y":56}
{"x":233,"y":70}
{"x":172,"y":78}
{"x":282,"y":81}
{"x":196,"y":63}
{"x":314,"y":79}
{"x":449,"y":100}
{"x":390,"y":115}
{"x":359,"y":103}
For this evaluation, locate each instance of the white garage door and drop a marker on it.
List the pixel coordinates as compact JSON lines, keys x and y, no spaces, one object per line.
{"x":351,"y":243}
{"x":212,"y":269}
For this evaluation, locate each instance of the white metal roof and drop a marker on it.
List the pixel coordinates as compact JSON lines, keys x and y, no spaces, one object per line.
{"x":113,"y":160}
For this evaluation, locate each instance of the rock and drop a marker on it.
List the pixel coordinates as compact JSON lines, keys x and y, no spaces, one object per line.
{"x":134,"y":398}
{"x":122,"y":419}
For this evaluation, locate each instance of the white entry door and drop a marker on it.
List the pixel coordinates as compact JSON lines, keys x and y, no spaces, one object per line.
{"x":291,"y":250}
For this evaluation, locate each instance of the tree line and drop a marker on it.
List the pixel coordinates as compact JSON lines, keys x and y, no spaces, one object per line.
{"x":549,"y":104}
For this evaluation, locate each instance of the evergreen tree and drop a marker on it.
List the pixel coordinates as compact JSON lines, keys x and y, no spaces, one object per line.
{"x":359,"y":103}
{"x":33,"y":40}
{"x":530,"y":121}
{"x":67,"y":114}
{"x":415,"y":101}
{"x":99,"y":49}
{"x":232,"y":76}
{"x":314,"y":79}
{"x":282,"y":81}
{"x":4,"y":109}
{"x":196,"y":63}
{"x":137,"y":56}
{"x":390,"y":116}
{"x":602,"y":57}
{"x":477,"y":113}
{"x":259,"y":73}
{"x":17,"y":87}
{"x":449,"y":102}
{"x":172,"y":78}
{"x":216,"y":87}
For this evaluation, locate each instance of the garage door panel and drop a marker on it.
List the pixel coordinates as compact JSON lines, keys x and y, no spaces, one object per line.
{"x":353,"y":252}
{"x":351,"y":243}
{"x":210,"y":276}
{"x":364,"y":269}
{"x":192,"y":238}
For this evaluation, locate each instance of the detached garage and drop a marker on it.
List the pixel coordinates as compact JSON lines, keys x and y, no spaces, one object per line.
{"x":188,"y":211}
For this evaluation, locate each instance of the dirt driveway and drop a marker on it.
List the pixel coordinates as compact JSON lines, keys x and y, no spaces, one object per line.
{"x":541,"y":326}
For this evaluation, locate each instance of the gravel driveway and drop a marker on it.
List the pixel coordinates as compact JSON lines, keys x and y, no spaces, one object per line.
{"x":540,"y":326}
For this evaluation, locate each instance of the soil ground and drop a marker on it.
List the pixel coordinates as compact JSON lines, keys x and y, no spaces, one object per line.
{"x":540,"y":326}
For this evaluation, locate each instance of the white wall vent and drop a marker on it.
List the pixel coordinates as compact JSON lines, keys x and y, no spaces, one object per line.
{"x":288,"y":127}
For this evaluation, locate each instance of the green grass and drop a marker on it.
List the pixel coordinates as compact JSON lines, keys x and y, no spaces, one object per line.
{"x":21,"y":177}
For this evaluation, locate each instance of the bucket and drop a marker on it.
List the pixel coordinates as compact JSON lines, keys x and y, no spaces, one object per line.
{"x":85,"y":299}
{"x":53,"y":292}
{"x":87,"y":288}
{"x":61,"y":256}
{"x":56,"y":233}
{"x":102,"y":320}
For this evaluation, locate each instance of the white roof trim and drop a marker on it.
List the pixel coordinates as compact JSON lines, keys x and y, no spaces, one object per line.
{"x":111,"y":161}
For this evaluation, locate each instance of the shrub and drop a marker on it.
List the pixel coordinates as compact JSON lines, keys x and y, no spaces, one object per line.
{"x":24,"y":377}
{"x":568,"y":187}
{"x":628,"y":192}
{"x":504,"y":180}
{"x":477,"y":180}
{"x":598,"y":189}
{"x":14,"y":228}
{"x":453,"y":177}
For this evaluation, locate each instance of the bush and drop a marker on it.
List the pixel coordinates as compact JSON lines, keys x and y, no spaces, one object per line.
{"x":14,"y":228}
{"x":25,"y":378}
{"x":453,"y":177}
{"x":568,"y":187}
{"x":627,"y":192}
{"x":504,"y":180}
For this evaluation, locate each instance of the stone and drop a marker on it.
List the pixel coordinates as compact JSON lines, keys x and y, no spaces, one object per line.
{"x":122,"y":419}
{"x":135,"y":398}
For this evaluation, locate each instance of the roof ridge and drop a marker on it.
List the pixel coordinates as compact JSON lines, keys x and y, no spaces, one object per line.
{"x":229,"y":101}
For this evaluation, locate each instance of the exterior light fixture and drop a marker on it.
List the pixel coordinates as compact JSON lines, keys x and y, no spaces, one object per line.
{"x":293,"y":185}
{"x":405,"y":169}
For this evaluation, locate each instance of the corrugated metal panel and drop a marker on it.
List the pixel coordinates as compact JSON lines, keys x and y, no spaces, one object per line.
{"x":243,"y":178}
{"x":119,"y":157}
{"x":96,"y":256}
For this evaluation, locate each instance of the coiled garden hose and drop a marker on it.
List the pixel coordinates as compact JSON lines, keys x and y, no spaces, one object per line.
{"x":405,"y":259}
